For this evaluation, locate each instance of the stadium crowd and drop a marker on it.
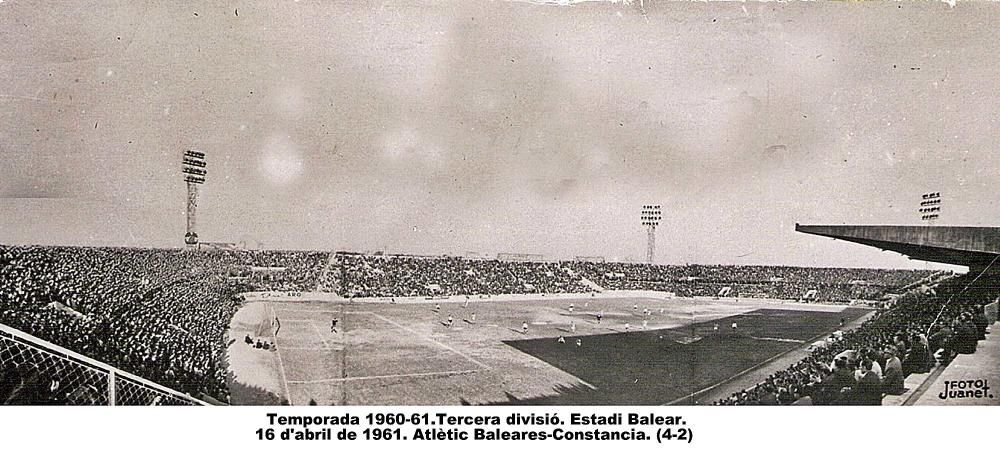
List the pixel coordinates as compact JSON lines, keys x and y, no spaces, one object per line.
{"x":159,"y":314}
{"x":162,"y":314}
{"x":397,"y":275}
{"x":917,"y":332}
{"x":774,"y":282}
{"x":383,"y":276}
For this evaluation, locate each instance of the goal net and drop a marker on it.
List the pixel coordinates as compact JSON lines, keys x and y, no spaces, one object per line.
{"x":33,"y":371}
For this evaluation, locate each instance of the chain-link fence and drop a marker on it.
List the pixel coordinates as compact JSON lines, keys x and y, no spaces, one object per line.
{"x":34,"y":372}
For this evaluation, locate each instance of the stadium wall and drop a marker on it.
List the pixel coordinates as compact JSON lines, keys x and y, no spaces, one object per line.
{"x":521,"y":297}
{"x":294,"y":296}
{"x":291,"y":296}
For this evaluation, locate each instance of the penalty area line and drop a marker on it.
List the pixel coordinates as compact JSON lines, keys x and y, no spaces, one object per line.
{"x":318,"y":334}
{"x":446,"y":347}
{"x":281,"y":365}
{"x":743,"y":372}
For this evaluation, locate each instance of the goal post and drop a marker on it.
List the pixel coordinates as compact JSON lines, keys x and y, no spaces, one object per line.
{"x":35,"y":371}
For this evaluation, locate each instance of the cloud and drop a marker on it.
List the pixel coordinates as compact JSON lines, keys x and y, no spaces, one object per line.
{"x":290,"y":101}
{"x":280,"y":160}
{"x":405,"y":145}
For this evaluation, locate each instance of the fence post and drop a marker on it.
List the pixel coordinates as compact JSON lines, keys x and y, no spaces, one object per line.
{"x":111,"y":388}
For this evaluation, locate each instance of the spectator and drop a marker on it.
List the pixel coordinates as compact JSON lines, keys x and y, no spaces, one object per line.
{"x":868,"y":390}
{"x":893,"y":375}
{"x":159,"y":314}
{"x":899,"y":329}
{"x":980,"y":322}
{"x":917,"y":358}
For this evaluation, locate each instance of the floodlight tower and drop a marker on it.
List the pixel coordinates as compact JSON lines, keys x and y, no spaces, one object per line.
{"x":650,"y":219}
{"x":930,"y":207}
{"x":194,"y":174}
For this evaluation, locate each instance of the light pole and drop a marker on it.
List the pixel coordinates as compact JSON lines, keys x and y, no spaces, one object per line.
{"x":194,"y":174}
{"x":930,"y":207}
{"x":650,"y":219}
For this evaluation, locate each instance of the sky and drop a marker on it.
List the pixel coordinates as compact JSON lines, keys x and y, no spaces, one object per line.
{"x":437,"y":127}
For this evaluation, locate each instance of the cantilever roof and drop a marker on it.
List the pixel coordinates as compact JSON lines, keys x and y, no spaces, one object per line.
{"x":961,"y":245}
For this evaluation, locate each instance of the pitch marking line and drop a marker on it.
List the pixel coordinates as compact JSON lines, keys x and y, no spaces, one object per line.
{"x":281,"y":364}
{"x":756,"y":366}
{"x":446,"y":347}
{"x":732,"y":377}
{"x":778,"y":339}
{"x":315,"y":329}
{"x":318,"y":334}
{"x":376,"y":377}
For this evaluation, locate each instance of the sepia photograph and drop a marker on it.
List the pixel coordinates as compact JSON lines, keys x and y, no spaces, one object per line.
{"x":465,"y":202}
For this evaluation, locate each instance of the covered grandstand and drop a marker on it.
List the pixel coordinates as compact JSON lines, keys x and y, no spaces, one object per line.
{"x":943,"y":338}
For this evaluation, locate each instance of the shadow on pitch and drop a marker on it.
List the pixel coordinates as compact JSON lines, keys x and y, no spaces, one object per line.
{"x":578,"y":394}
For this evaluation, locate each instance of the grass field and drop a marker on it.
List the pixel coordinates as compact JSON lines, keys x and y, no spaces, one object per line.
{"x":387,"y":354}
{"x":655,"y":367}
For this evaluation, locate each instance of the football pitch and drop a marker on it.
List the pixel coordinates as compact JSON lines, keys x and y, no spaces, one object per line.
{"x":641,"y":351}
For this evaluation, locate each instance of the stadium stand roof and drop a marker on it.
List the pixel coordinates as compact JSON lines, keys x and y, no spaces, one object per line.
{"x":971,"y":246}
